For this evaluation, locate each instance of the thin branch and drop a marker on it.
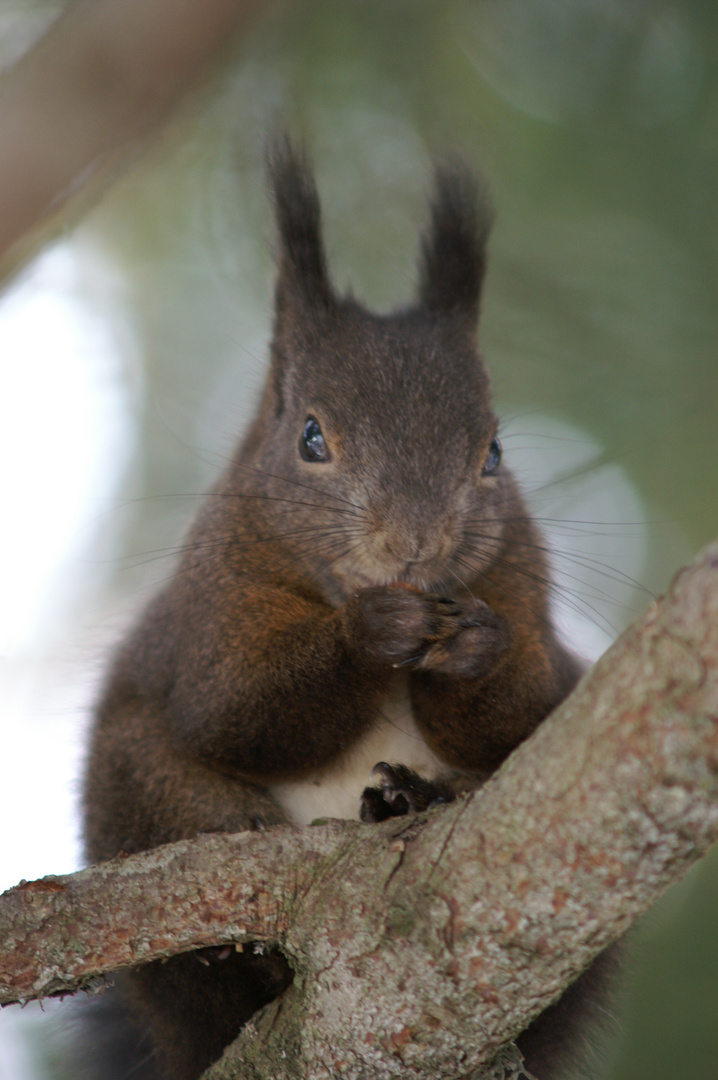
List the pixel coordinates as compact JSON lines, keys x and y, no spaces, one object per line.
{"x":137,"y":908}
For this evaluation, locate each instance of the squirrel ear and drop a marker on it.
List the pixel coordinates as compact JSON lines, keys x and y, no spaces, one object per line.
{"x":453,"y":250}
{"x":302,"y":262}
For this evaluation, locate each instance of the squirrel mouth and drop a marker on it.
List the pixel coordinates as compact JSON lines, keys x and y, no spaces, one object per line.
{"x":371,"y":574}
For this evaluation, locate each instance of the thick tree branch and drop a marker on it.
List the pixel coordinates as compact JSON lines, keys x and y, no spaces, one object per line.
{"x":424,"y":942}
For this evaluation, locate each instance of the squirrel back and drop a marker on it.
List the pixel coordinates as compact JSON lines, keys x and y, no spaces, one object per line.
{"x":364,"y":583}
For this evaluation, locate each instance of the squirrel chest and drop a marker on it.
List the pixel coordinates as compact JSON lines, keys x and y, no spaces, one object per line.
{"x":335,"y":790}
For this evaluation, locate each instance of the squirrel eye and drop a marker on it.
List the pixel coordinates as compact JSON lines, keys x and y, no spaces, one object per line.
{"x":492,"y":458}
{"x":312,"y":445}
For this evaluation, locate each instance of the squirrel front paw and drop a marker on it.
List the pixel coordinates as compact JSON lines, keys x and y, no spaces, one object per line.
{"x":470,"y":645}
{"x":401,"y":791}
{"x":401,"y":626}
{"x":389,"y":624}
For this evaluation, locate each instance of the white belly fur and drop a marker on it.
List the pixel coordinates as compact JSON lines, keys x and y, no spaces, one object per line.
{"x":335,"y":791}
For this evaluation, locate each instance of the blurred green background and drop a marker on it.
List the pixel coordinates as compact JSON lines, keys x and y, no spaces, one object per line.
{"x":595,"y":123}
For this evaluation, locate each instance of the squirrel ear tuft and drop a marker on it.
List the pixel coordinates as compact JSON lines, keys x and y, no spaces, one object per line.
{"x":453,"y":250}
{"x":302,"y":262}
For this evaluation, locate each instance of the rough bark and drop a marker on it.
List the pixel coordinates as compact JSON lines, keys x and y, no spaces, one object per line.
{"x":87,"y":97}
{"x":429,"y":941}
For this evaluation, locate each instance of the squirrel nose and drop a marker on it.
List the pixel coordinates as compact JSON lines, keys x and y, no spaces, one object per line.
{"x":403,"y":552}
{"x":412,"y":546}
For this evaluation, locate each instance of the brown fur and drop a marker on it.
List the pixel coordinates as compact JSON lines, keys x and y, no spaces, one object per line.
{"x":306,"y":585}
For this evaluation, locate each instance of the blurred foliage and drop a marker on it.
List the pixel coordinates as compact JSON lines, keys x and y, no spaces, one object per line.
{"x":596,"y":125}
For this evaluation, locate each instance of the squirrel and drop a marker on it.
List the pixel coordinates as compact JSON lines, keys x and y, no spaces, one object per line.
{"x":364,"y":586}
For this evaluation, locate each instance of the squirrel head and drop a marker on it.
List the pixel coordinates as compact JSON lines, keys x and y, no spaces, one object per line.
{"x":382,"y":423}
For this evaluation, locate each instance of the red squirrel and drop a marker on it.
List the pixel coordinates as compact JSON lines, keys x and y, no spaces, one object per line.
{"x":364,"y":586}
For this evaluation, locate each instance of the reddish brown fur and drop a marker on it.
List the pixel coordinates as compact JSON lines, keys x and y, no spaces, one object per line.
{"x":270,"y":650}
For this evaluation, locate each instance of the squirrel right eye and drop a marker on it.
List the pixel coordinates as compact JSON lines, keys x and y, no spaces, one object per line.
{"x":312,"y":445}
{"x":493,"y":458}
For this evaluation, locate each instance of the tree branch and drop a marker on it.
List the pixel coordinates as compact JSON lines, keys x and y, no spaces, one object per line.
{"x":91,"y":92}
{"x":433,"y":939}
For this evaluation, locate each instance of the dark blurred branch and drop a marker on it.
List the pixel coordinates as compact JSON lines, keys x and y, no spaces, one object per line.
{"x":82,"y":102}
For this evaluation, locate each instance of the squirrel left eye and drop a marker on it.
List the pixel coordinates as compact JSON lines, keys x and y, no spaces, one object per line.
{"x":312,"y":445}
{"x":493,"y":458}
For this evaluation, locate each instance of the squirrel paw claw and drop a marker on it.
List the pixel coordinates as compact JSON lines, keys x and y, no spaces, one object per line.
{"x":401,"y":791}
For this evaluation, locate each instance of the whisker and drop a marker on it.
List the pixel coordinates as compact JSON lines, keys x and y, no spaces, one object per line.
{"x":577,"y":558}
{"x":461,"y":582}
{"x":247,"y":495}
{"x":220,"y":543}
{"x":296,"y":483}
{"x":552,"y":587}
